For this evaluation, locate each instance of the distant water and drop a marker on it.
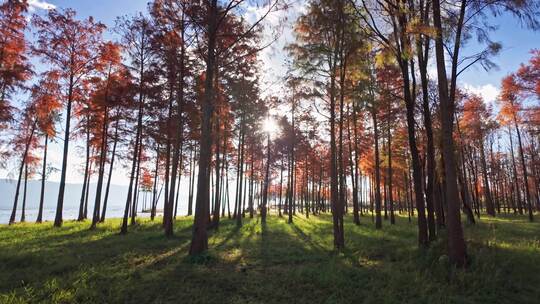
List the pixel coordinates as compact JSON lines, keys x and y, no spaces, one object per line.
{"x":50,"y":213}
{"x":115,"y":205}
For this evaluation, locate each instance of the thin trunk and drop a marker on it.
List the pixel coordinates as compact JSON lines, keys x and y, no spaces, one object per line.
{"x":111,"y":166}
{"x":266,"y":182}
{"x":21,"y":167}
{"x":525,"y":173}
{"x":514,"y":169}
{"x":177,"y":152}
{"x":390,"y":198}
{"x":86,"y":180}
{"x":377,"y":182}
{"x":354,"y":173}
{"x":43,"y":178}
{"x":101,"y":169}
{"x":487,"y":191}
{"x":61,"y":190}
{"x":124,"y":227}
{"x":23,"y":210}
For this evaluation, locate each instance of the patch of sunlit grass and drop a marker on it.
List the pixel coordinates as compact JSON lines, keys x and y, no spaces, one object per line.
{"x":277,"y":263}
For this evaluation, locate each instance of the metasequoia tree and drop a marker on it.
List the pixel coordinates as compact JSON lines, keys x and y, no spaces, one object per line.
{"x":136,"y":36}
{"x":517,"y":91}
{"x":510,"y":115}
{"x":69,"y":47}
{"x":389,"y":28}
{"x":326,"y":38}
{"x":464,"y":20}
{"x":25,"y":140}
{"x":210,"y":17}
{"x":172,"y":24}
{"x":476,"y":131}
{"x":47,"y":106}
{"x":14,"y":65}
{"x":110,"y":88}
{"x":38,"y":117}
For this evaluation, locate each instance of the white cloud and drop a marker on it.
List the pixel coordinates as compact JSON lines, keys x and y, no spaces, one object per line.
{"x":278,"y":29}
{"x":488,"y":91}
{"x":40,"y":4}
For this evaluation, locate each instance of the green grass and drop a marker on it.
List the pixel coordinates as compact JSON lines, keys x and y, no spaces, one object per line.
{"x":279,"y":263}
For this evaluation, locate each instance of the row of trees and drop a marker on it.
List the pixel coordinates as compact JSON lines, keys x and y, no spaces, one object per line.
{"x":362,"y":124}
{"x":374,"y":56}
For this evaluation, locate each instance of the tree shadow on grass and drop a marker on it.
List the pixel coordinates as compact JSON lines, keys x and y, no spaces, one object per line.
{"x":273,"y":263}
{"x":66,"y":255}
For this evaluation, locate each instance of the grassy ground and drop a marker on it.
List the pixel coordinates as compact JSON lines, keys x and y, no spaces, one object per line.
{"x":279,"y":263}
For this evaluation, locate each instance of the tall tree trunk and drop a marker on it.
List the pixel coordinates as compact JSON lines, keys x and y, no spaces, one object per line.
{"x":217,"y":197}
{"x":354,"y":171}
{"x":23,"y":210}
{"x":168,"y":189}
{"x":390,"y":198}
{"x":109,"y":177}
{"x":342,"y":177}
{"x":487,"y":191}
{"x":377,"y":182}
{"x":463,"y":180}
{"x":423,"y":46}
{"x":358,"y":181}
{"x":251,"y":181}
{"x":134,"y":204}
{"x":21,"y":167}
{"x":291,"y":188}
{"x":86,"y":180}
{"x":43,"y":178}
{"x":514,"y":169}
{"x":192,"y":184}
{"x":101,"y":169}
{"x":178,"y":139}
{"x":61,"y":189}
{"x":154,"y":188}
{"x":266,"y":181}
{"x":240,"y":177}
{"x":131,"y":187}
{"x":87,"y":194}
{"x":280,"y":185}
{"x":525,"y":173}
{"x":456,"y":243}
{"x":406,"y":67}
{"x":199,"y":241}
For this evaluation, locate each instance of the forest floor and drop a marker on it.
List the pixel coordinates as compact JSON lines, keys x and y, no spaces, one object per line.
{"x":278,"y":263}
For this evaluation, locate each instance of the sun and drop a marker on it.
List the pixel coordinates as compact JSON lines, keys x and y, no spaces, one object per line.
{"x":270,"y":126}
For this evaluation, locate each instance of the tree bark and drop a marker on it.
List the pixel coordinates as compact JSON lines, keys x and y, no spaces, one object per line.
{"x":43,"y":178}
{"x":456,"y":243}
{"x":61,"y":190}
{"x":199,"y":241}
{"x":86,"y":180}
{"x":111,"y":166}
{"x":21,"y":167}
{"x":101,"y":170}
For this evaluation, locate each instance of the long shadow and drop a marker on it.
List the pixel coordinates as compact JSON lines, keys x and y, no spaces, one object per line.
{"x":307,"y":239}
{"x":285,"y":263}
{"x":38,"y":261}
{"x":232,"y":233}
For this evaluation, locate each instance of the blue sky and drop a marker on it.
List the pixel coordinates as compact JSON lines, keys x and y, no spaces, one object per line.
{"x":103,"y":10}
{"x":517,"y":43}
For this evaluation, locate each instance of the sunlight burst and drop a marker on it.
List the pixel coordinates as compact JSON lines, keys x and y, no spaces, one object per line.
{"x":270,"y":126}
